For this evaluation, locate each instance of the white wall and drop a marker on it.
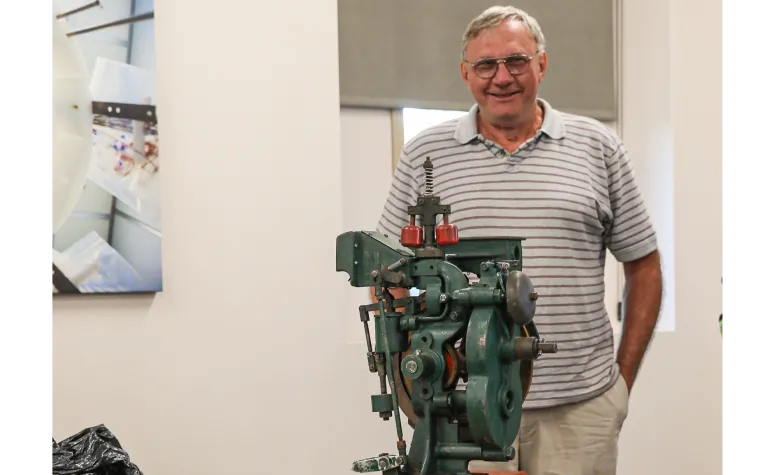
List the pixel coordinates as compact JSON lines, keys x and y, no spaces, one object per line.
{"x":366,"y":150}
{"x":207,"y":368}
{"x":647,"y":127}
{"x":725,"y":269}
{"x":672,"y":122}
{"x":200,"y":380}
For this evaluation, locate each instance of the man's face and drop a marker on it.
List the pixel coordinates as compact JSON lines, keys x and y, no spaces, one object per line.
{"x":505,"y":98}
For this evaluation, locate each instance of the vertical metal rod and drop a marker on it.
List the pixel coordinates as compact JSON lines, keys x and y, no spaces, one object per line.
{"x":125,"y":21}
{"x":390,"y":373}
{"x":78,"y":10}
{"x":128,"y":60}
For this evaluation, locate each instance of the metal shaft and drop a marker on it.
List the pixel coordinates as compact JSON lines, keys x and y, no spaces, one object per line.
{"x":548,"y":347}
{"x":125,"y":21}
{"x":78,"y":10}
{"x":388,"y":360}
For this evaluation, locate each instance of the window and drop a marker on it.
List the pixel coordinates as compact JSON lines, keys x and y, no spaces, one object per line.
{"x":416,"y":120}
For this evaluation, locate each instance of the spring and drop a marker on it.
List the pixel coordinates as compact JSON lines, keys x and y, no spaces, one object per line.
{"x":430,"y":177}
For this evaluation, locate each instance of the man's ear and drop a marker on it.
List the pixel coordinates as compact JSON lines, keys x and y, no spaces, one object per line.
{"x":543,"y":62}
{"x":464,"y":71}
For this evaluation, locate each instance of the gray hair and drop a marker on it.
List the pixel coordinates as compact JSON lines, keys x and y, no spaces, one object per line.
{"x":494,"y":16}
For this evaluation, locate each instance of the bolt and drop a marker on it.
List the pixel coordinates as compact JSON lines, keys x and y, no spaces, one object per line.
{"x":443,"y":298}
{"x":534,"y":296}
{"x":509,"y":452}
{"x":411,"y":366}
{"x":454,"y":316}
{"x":484,"y":266}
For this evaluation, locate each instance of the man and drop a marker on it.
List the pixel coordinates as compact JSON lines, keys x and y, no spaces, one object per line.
{"x":515,"y":166}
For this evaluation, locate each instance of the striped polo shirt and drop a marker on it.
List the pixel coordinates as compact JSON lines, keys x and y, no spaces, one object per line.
{"x":570,"y":191}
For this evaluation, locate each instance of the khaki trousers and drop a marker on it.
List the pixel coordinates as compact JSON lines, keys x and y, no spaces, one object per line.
{"x":577,"y":439}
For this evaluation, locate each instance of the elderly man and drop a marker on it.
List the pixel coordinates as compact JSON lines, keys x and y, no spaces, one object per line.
{"x":516,"y":166}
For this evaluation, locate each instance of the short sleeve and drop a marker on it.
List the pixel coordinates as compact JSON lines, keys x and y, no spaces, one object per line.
{"x":630,"y":234}
{"x":403,"y":192}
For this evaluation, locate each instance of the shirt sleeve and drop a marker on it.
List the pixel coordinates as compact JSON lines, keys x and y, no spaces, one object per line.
{"x":403,"y":192}
{"x":630,"y":234}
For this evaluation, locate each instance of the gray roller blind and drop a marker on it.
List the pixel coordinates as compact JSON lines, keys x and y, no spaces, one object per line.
{"x":406,"y":53}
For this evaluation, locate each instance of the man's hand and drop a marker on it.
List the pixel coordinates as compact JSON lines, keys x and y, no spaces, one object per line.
{"x":642,"y":303}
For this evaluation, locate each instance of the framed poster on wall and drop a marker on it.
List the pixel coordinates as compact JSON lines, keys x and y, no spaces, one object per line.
{"x":106,"y":155}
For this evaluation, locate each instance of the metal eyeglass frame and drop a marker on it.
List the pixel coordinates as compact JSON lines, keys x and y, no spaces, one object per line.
{"x":496,"y":61}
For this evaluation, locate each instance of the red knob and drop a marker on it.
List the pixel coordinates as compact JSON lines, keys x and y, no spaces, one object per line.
{"x":446,"y":234}
{"x":412,"y":235}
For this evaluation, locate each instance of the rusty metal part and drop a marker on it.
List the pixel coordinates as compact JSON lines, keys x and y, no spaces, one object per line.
{"x":403,"y":397}
{"x":526,"y":369}
{"x":403,"y":384}
{"x":452,"y":362}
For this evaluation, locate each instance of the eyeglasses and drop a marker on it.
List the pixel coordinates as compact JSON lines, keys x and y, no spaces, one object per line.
{"x":516,"y":64}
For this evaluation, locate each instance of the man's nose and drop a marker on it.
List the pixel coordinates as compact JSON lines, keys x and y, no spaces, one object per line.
{"x":502,"y":75}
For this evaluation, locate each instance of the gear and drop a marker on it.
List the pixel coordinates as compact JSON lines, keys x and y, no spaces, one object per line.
{"x":456,"y":369}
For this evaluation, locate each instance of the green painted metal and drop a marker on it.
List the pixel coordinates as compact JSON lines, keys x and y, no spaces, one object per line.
{"x":481,"y":333}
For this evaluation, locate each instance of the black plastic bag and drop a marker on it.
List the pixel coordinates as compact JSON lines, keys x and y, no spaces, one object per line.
{"x":93,"y":451}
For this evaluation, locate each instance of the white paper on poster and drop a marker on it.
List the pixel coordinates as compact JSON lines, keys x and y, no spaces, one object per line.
{"x":93,"y":266}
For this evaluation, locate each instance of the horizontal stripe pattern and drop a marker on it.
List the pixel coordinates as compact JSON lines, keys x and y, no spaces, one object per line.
{"x":571,"y":193}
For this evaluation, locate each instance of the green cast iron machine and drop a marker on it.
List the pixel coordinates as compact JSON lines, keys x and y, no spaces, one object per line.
{"x":480,"y":334}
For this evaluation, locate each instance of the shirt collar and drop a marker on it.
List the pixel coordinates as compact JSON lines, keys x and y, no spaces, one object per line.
{"x":553,"y":125}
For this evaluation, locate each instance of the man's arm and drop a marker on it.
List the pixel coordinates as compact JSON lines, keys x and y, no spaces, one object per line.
{"x":642,"y":303}
{"x":630,"y":234}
